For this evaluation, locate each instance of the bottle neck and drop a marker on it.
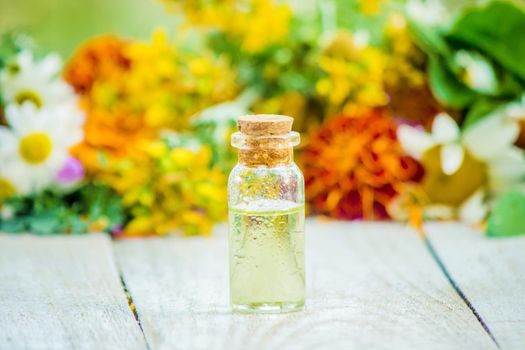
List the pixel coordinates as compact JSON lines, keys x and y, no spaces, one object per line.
{"x":265,"y":150}
{"x":257,"y":157}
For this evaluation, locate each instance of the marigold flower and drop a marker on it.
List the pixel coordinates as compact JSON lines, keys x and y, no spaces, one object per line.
{"x":354,"y":166}
{"x":99,"y":58}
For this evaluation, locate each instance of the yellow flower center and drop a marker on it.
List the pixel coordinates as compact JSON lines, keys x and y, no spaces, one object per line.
{"x":6,"y":189}
{"x":35,"y":148}
{"x":451,"y":189}
{"x":28,"y":95}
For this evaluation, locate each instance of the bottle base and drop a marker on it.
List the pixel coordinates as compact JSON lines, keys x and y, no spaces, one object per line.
{"x":267,"y":308}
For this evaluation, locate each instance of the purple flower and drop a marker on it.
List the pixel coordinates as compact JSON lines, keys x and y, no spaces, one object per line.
{"x":72,"y":171}
{"x":118,"y":230}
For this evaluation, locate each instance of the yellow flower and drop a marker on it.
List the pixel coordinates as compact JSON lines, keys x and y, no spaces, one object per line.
{"x":175,"y":189}
{"x":7,"y":189}
{"x":255,"y":24}
{"x":268,"y":24}
{"x":405,"y":61}
{"x":353,"y":74}
{"x":371,"y":7}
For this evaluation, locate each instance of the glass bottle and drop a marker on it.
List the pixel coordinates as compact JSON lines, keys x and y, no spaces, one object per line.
{"x":266,"y":218}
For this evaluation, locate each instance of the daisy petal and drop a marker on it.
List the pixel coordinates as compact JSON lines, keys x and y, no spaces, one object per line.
{"x":491,"y":137}
{"x":8,"y":142}
{"x":506,"y":171}
{"x":452,"y":156}
{"x":15,"y":173}
{"x":21,"y":118}
{"x":50,"y":66}
{"x":516,"y":110}
{"x":445,"y":129}
{"x":25,"y":60}
{"x":439,"y":212}
{"x":414,"y":141}
{"x":474,"y":209}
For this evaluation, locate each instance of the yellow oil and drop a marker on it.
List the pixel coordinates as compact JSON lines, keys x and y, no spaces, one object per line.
{"x":267,"y":256}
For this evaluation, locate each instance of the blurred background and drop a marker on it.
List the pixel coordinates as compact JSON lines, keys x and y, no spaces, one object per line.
{"x":396,"y":102}
{"x":59,"y":25}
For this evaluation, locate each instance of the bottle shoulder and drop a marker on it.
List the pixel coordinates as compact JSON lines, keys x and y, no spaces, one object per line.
{"x":283,"y":183}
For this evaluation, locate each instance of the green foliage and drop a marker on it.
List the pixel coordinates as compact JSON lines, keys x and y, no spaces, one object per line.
{"x":507,"y":217}
{"x":430,"y":39}
{"x":10,"y":45}
{"x":495,"y":30}
{"x":277,"y":69}
{"x":349,"y":14}
{"x":446,"y":87}
{"x":487,"y":33}
{"x":90,"y":207}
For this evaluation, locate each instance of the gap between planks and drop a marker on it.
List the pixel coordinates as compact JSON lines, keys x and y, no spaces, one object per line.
{"x":63,"y":292}
{"x":460,"y":293}
{"x":131,"y":305}
{"x":489,"y":273}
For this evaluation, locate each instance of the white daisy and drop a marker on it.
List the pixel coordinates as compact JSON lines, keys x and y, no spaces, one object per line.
{"x":37,"y":143}
{"x":38,"y":82}
{"x":489,"y":141}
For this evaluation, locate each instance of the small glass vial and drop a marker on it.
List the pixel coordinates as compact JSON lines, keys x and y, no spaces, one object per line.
{"x":266,"y":218}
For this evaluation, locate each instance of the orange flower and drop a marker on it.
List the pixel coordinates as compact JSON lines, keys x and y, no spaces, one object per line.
{"x":101,"y":57}
{"x":110,"y":137}
{"x":354,"y":166}
{"x":112,"y":128}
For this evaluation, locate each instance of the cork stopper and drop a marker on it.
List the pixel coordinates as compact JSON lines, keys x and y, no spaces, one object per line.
{"x":265,"y":124}
{"x":265,"y":140}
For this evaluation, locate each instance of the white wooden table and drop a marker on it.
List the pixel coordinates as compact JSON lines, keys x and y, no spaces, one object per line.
{"x":369,"y":286}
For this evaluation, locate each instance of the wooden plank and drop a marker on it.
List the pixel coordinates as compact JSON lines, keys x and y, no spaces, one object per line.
{"x":63,"y":292}
{"x":491,"y":275}
{"x":369,"y":286}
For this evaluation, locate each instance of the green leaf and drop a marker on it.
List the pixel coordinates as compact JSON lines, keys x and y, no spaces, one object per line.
{"x":428,"y":39}
{"x":507,"y":217}
{"x":509,"y":86}
{"x":14,"y":225}
{"x":496,"y":30}
{"x":10,"y":45}
{"x":446,"y":87}
{"x":45,"y":224}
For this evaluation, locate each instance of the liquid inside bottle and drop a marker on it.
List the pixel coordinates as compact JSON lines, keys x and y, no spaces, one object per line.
{"x":267,"y":256}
